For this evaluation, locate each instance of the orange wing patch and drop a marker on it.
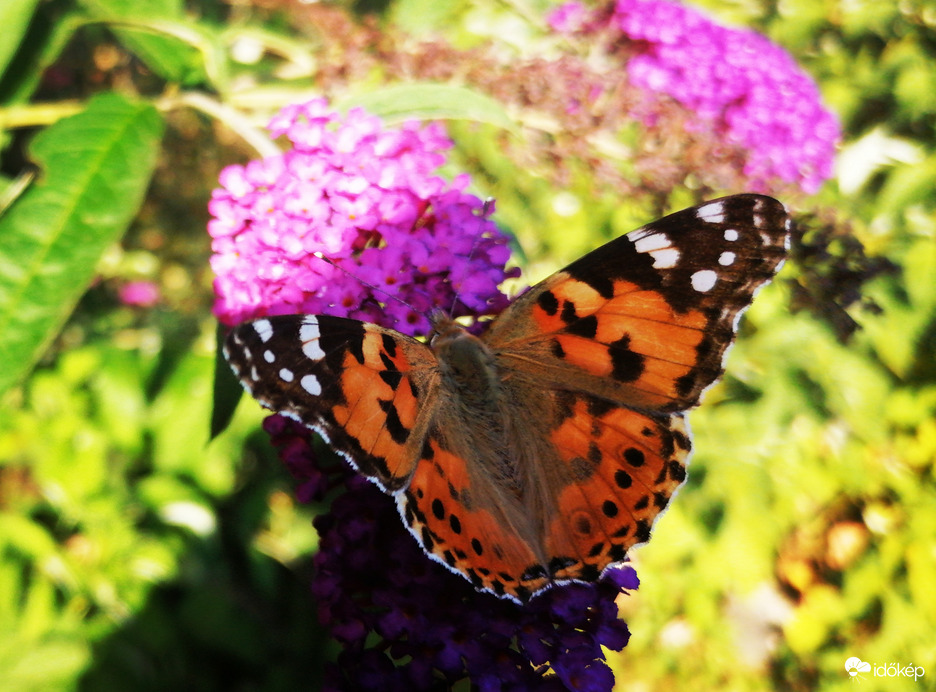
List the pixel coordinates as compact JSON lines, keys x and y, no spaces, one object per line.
{"x":439,"y":511}
{"x":380,"y":409}
{"x":625,"y":466}
{"x":634,"y":338}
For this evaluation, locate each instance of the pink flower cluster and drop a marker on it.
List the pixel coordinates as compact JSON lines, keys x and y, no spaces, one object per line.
{"x":748,"y":89}
{"x":367,"y":198}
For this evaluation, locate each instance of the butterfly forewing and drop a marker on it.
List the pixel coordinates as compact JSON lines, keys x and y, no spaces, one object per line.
{"x":646,"y":320}
{"x":361,"y":386}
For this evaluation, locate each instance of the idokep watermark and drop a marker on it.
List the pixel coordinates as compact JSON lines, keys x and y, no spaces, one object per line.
{"x":857,"y":669}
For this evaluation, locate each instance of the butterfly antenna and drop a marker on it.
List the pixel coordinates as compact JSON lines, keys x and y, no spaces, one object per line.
{"x":378,"y":289}
{"x":486,"y":208}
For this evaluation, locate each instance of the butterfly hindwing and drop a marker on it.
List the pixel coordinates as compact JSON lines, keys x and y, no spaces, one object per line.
{"x":467,"y":535}
{"x":624,"y":468}
{"x":361,"y":386}
{"x":609,"y":471}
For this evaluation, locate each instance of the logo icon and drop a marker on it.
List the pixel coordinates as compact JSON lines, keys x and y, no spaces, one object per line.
{"x":855,"y":666}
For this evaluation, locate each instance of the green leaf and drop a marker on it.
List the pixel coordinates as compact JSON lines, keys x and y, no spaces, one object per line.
{"x":176,"y":48}
{"x":39,"y":48}
{"x":96,"y":167}
{"x":431,"y":102}
{"x":227,"y":390}
{"x":14,"y":18}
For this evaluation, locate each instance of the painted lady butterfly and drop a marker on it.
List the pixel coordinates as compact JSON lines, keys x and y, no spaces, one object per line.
{"x":544,"y":450}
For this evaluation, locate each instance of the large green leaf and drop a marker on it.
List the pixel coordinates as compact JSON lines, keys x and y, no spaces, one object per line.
{"x":95,"y":168}
{"x":431,"y":102}
{"x":14,"y":18}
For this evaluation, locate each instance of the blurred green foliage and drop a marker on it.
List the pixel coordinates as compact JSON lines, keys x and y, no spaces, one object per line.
{"x":137,"y":554}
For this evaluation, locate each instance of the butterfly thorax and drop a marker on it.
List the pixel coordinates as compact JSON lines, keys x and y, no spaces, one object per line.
{"x":467,"y":363}
{"x":472,"y":382}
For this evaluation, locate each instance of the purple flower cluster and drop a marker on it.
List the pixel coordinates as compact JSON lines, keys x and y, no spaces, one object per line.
{"x":406,"y":623}
{"x":366,"y":198}
{"x":749,"y":90}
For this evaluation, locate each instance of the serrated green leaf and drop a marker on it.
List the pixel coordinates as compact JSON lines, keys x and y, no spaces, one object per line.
{"x":14,"y":18}
{"x":96,"y":167}
{"x":431,"y":102}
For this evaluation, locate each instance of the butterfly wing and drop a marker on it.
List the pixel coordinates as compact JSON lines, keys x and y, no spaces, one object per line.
{"x":366,"y":389}
{"x":597,"y":475}
{"x":646,"y":319}
{"x":618,"y":343}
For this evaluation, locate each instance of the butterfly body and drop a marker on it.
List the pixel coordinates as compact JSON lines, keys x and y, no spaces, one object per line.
{"x":543,"y":450}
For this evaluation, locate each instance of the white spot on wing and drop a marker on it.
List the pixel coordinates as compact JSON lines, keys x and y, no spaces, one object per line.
{"x":726,"y":259}
{"x":650,"y":242}
{"x":731,"y":235}
{"x":264,"y":329}
{"x":311,"y":384}
{"x":287,"y":375}
{"x":713,"y":212}
{"x":268,"y":356}
{"x":658,"y":246}
{"x":704,"y":280}
{"x":309,"y":335}
{"x":665,"y":259}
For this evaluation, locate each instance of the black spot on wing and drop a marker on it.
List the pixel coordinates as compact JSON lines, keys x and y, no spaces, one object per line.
{"x":634,"y":457}
{"x":599,"y":407}
{"x":586,"y":327}
{"x":643,"y":532}
{"x":389,"y":344}
{"x":557,"y":349}
{"x":534,"y":572}
{"x":548,"y":302}
{"x":626,"y":365}
{"x":568,"y":314}
{"x":677,"y":471}
{"x":623,"y":479}
{"x":399,"y":433}
{"x":558,"y":564}
{"x":589,"y":573}
{"x":391,"y":377}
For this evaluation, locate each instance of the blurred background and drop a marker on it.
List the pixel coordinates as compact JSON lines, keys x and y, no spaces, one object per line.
{"x":138,"y":553}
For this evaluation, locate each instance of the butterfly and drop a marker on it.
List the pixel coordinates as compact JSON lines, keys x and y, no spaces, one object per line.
{"x":543,"y":450}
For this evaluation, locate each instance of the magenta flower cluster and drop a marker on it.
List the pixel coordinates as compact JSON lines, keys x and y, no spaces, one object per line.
{"x":368,"y":199}
{"x":749,"y":90}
